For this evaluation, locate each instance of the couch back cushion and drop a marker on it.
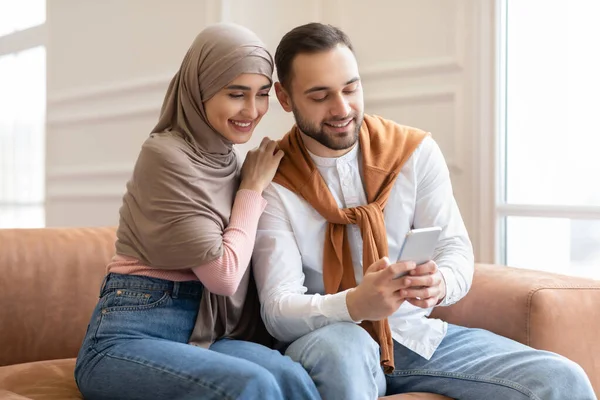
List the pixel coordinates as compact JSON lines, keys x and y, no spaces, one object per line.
{"x":49,"y":284}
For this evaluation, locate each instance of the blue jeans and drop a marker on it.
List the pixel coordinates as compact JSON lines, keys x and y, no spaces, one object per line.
{"x":469,"y":364}
{"x":136,"y":348}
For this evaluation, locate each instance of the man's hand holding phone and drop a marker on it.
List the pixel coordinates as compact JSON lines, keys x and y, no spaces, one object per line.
{"x":380,"y":294}
{"x":427,"y":286}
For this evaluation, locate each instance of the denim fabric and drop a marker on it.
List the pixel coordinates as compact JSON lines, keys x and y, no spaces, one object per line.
{"x":343,"y":361}
{"x":477,"y":364}
{"x":136,"y":348}
{"x":469,"y":364}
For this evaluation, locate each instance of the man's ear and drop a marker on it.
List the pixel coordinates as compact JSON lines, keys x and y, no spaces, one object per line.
{"x":283,"y":97}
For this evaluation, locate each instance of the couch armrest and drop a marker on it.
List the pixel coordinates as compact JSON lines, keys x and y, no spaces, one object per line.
{"x":543,"y":310}
{"x":49,"y":284}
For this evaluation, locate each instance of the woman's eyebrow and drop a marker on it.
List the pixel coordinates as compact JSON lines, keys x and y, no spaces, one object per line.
{"x":242,"y":87}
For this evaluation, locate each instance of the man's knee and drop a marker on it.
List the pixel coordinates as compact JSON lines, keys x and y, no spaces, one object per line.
{"x":569,"y":379}
{"x":555,"y":377}
{"x":337,"y":344}
{"x":342,"y":359}
{"x":340,"y":339}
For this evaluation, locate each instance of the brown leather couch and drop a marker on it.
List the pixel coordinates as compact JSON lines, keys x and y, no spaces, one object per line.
{"x":50,"y":278}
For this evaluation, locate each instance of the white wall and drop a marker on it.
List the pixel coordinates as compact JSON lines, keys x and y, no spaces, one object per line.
{"x":109,"y":64}
{"x":424,"y":63}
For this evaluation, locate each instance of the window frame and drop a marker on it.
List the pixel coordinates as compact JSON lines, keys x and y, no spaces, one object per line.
{"x":495,"y":209}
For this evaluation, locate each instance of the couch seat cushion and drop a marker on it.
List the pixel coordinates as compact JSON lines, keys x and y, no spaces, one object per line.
{"x":42,"y":380}
{"x":53,"y":380}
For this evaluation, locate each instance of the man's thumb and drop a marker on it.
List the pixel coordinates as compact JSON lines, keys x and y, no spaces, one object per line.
{"x":378,"y":265}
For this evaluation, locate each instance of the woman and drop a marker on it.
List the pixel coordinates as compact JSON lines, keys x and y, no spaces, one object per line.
{"x":179,"y":297}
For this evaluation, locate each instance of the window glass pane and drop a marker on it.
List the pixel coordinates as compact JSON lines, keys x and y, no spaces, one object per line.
{"x":17,"y":15}
{"x":22,"y":145}
{"x":552,"y":102}
{"x":558,"y":245}
{"x":22,"y":217}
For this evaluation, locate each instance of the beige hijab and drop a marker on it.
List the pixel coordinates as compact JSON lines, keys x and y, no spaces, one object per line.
{"x":179,"y":199}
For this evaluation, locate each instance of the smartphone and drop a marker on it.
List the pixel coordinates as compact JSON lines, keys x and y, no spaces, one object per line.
{"x":419,"y":245}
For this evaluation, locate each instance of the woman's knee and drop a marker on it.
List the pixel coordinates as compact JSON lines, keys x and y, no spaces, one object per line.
{"x":259,"y":380}
{"x":225,"y":378}
{"x":292,"y":377}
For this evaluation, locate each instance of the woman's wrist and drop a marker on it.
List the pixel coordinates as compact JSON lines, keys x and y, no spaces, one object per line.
{"x":250,"y":186}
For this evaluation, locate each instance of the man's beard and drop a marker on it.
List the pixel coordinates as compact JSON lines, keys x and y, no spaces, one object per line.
{"x":328,"y":140}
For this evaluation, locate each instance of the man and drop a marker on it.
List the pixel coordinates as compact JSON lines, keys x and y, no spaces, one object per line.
{"x":348,"y":190}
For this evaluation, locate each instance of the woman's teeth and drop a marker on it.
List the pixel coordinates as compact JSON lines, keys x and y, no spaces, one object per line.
{"x":242,"y":124}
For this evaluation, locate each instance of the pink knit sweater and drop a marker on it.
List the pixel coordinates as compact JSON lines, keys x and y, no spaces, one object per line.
{"x":220,"y":276}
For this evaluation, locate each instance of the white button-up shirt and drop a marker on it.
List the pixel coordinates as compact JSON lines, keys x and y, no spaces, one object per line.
{"x":288,"y":254}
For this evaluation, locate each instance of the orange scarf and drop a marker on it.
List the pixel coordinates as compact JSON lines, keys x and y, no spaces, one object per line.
{"x":385,"y":147}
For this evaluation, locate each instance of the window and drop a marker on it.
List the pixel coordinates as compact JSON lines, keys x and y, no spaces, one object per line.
{"x":549,"y":210}
{"x":22,"y":120}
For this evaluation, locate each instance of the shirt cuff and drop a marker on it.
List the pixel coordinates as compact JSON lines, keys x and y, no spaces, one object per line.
{"x":451,"y":285}
{"x":335,"y":307}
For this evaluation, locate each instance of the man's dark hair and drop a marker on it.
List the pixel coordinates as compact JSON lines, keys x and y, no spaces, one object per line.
{"x":310,"y":38}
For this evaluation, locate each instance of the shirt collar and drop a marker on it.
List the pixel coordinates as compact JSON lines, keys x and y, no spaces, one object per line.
{"x":332,"y":161}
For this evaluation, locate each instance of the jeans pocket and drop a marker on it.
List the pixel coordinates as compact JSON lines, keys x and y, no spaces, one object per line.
{"x":133,"y":300}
